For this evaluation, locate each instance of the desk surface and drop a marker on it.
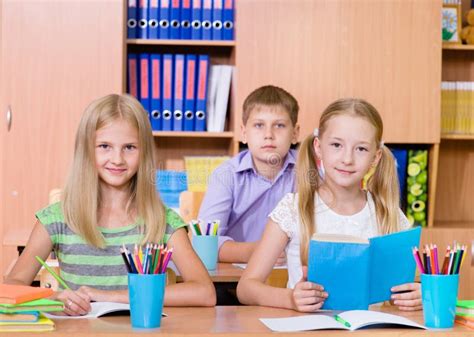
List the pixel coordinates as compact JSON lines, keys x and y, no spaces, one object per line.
{"x":225,"y":272}
{"x":228,"y":321}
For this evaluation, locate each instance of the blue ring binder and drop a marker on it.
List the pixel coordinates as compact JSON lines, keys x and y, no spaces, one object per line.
{"x":185,"y":24}
{"x":155,"y":114}
{"x":207,"y":24}
{"x":217,"y":24}
{"x":153,"y":23}
{"x":131,"y":23}
{"x":175,"y":23}
{"x":143,"y":23}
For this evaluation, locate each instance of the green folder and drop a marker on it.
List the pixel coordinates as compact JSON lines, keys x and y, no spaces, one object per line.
{"x":42,"y":304}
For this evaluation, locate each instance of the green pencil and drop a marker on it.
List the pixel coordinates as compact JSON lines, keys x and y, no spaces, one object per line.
{"x":342,"y":321}
{"x":56,"y":276}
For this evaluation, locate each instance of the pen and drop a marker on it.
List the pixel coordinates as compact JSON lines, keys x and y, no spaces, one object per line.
{"x":342,"y":321}
{"x":56,"y":276}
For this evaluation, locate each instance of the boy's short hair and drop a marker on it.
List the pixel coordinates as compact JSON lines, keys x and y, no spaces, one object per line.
{"x":270,"y":95}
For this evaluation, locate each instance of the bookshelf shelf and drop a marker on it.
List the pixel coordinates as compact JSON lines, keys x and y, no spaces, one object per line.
{"x":457,"y":136}
{"x":193,"y":134}
{"x":458,"y":47}
{"x":454,"y":224}
{"x":203,"y":43}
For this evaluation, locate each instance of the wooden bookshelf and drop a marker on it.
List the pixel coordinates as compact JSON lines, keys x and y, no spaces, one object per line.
{"x":203,"y":43}
{"x":455,"y":224}
{"x":446,"y":136}
{"x":192,"y":134}
{"x":172,"y":146}
{"x":447,"y":46}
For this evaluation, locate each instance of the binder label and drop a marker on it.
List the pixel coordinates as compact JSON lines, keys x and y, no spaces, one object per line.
{"x":190,"y":79}
{"x":155,"y":73}
{"x":202,"y":79}
{"x":167,"y":79}
{"x":132,"y":68}
{"x":144,"y":78}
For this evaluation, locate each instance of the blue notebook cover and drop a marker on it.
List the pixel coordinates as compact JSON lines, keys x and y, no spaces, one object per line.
{"x":391,"y":262}
{"x":362,"y":272}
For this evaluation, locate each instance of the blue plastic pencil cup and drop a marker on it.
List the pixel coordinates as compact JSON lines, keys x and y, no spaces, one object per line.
{"x":205,"y":247}
{"x":438,"y":294}
{"x":146,"y":293}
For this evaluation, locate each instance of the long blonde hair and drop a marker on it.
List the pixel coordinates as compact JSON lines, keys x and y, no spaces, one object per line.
{"x":383,"y":184}
{"x":81,"y":198}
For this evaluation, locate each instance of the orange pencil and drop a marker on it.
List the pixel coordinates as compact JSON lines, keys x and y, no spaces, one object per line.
{"x":432,"y":259}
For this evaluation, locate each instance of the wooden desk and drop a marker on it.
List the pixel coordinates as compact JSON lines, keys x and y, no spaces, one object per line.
{"x":225,"y":272}
{"x":226,"y":321}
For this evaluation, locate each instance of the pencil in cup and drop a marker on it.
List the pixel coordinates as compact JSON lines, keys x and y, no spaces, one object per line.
{"x":199,"y":228}
{"x":154,"y":260}
{"x":452,"y":262}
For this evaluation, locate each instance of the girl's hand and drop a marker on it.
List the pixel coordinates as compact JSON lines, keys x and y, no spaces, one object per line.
{"x":410,"y":299}
{"x":308,"y":296}
{"x":75,"y":302}
{"x":95,"y":295}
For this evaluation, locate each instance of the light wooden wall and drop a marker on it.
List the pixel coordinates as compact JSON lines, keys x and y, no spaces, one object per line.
{"x":388,"y":52}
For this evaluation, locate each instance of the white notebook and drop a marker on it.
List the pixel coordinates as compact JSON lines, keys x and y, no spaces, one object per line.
{"x":355,"y":319}
{"x":98,"y":309}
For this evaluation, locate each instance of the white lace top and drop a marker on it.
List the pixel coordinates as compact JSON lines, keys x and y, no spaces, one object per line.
{"x":362,"y":224}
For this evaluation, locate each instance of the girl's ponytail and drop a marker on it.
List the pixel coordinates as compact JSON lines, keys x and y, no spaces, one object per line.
{"x":308,"y":182}
{"x":386,"y":193}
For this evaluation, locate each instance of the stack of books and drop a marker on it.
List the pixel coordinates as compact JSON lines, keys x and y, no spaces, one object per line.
{"x":199,"y":169}
{"x":457,"y":107}
{"x":465,"y":313}
{"x":170,"y":184}
{"x":21,"y":307}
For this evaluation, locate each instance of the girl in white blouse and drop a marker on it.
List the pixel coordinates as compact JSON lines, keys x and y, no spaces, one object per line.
{"x":331,"y":165}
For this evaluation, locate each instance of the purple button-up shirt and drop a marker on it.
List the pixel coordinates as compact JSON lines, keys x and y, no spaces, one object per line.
{"x":242,"y":199}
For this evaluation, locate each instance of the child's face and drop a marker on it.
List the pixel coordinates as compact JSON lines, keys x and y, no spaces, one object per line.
{"x":348,"y":150}
{"x":117,"y":153}
{"x":269,"y":134}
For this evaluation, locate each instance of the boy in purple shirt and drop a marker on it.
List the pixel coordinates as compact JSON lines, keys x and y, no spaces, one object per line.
{"x":244,"y":190}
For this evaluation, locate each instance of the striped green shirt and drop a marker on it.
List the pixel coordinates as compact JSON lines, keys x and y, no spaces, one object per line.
{"x":83,"y":265}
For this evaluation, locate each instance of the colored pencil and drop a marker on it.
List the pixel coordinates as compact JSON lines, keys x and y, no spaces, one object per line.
{"x":416,"y":255}
{"x":436,"y":259}
{"x":53,"y":274}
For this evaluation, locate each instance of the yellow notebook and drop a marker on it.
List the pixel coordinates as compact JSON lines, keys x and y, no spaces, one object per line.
{"x":43,"y":324}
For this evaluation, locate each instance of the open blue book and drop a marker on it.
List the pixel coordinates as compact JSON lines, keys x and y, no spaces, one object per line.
{"x":357,"y":272}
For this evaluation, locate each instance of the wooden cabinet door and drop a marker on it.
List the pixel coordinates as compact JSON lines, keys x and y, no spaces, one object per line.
{"x":388,"y":52}
{"x":56,"y":56}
